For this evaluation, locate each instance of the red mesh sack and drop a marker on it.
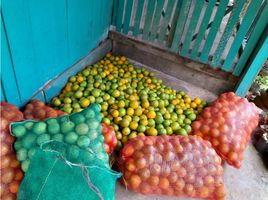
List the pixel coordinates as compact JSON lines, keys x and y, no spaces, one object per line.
{"x":172,"y":165}
{"x":110,"y":140}
{"x":37,"y":110}
{"x":228,"y":124}
{"x":11,"y":173}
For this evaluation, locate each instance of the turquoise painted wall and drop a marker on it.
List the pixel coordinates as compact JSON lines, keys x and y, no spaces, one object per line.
{"x":42,"y":38}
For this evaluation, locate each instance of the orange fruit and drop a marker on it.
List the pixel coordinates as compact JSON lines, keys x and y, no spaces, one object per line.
{"x":151,"y":114}
{"x":163,"y":183}
{"x":135,"y":181}
{"x":79,"y":79}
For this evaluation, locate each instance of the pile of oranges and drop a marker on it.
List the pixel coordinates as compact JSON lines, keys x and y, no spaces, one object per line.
{"x":132,"y":100}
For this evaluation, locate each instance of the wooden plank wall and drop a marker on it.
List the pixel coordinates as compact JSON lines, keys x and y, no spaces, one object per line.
{"x":155,"y":25}
{"x":43,"y":38}
{"x":210,"y":32}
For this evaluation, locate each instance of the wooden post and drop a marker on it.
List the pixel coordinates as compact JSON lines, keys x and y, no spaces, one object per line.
{"x":255,"y":65}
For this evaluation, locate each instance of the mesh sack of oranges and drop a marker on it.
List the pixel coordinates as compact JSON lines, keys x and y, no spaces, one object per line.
{"x":110,"y":140}
{"x":67,"y":174}
{"x":82,"y":130}
{"x":228,"y":124}
{"x":11,"y":173}
{"x":172,"y":165}
{"x":37,"y":110}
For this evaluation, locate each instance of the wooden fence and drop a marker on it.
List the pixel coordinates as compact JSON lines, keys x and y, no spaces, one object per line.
{"x":221,"y":33}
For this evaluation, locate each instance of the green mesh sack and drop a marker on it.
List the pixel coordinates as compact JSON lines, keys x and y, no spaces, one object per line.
{"x":65,"y":172}
{"x":81,"y":129}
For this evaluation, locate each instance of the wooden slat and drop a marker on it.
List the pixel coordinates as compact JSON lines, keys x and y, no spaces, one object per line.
{"x":18,"y":24}
{"x":128,"y":13}
{"x":213,"y":30}
{"x":234,"y":17}
{"x":180,"y":24}
{"x":155,"y":23}
{"x":148,"y":20}
{"x":255,"y":66}
{"x":3,"y":95}
{"x":254,"y":37}
{"x":138,"y":15}
{"x":119,"y":17}
{"x":166,"y":18}
{"x":115,"y":11}
{"x":191,"y":29}
{"x":202,"y":29}
{"x":173,"y":23}
{"x":8,"y":76}
{"x":244,"y":27}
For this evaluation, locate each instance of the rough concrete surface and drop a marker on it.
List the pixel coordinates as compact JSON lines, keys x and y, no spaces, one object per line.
{"x":250,"y":182}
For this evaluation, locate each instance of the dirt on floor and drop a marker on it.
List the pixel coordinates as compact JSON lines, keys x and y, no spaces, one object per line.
{"x":250,"y":182}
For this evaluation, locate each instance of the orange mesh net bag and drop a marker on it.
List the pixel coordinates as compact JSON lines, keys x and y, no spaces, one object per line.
{"x":37,"y":110}
{"x":172,"y":165}
{"x":228,"y":124}
{"x":11,"y":173}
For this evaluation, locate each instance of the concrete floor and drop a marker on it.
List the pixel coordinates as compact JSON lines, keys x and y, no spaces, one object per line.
{"x":250,"y":182}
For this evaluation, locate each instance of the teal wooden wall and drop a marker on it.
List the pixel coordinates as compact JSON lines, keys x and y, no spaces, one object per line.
{"x":40,"y":39}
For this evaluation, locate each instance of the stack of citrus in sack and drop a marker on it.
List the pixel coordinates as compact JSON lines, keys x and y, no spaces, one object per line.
{"x":11,"y":174}
{"x":37,"y":110}
{"x":228,"y":124}
{"x":133,"y":100}
{"x":172,"y":165}
{"x":82,"y":130}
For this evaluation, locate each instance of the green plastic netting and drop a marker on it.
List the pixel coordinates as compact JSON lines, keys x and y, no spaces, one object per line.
{"x":82,"y":129}
{"x":59,"y":171}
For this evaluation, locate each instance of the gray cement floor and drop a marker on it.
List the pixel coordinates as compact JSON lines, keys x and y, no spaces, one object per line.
{"x":250,"y":182}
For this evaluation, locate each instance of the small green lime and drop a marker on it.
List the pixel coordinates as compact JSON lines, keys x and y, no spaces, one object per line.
{"x":83,"y":141}
{"x":81,"y":129}
{"x":191,"y":116}
{"x":57,"y":137}
{"x":92,"y":123}
{"x":162,"y":131}
{"x":89,"y":113}
{"x":166,"y":123}
{"x":25,"y":165}
{"x":169,"y":130}
{"x":53,"y":128}
{"x":31,"y":152}
{"x":187,"y":121}
{"x":51,"y":121}
{"x":188,"y":128}
{"x":77,"y":118}
{"x":43,"y":138}
{"x":29,"y":140}
{"x":67,"y":126}
{"x":175,"y":126}
{"x":71,"y":138}
{"x":92,"y":134}
{"x":39,"y":128}
{"x":78,"y":94}
{"x":182,"y":131}
{"x":22,"y":154}
{"x":19,"y":130}
{"x":18,"y":145}
{"x":29,"y":125}
{"x":141,"y":128}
